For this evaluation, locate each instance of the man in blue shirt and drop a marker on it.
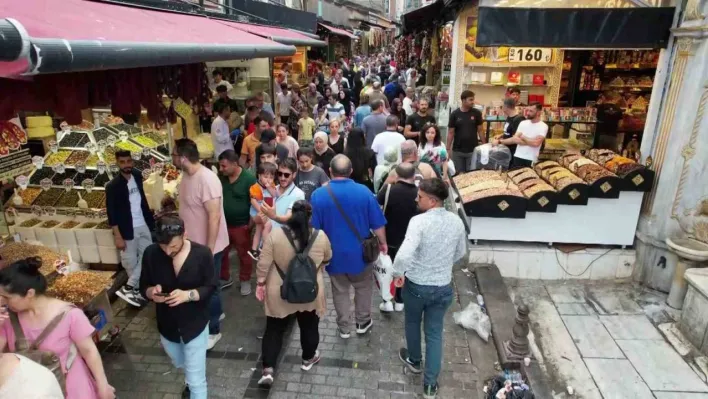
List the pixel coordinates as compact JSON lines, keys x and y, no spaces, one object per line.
{"x":347,"y":268}
{"x":362,"y":111}
{"x":394,"y":88}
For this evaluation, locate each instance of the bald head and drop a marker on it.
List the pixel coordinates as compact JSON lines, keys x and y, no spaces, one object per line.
{"x":405,"y":171}
{"x":341,"y":166}
{"x":409,"y":151}
{"x":377,"y":85}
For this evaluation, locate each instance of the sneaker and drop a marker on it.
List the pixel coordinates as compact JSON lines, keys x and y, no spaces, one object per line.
{"x":185,"y":392}
{"x":342,"y":334}
{"x":386,"y":306}
{"x":430,"y":391}
{"x":212,"y":340}
{"x":226,"y":283}
{"x":127,"y":293}
{"x":267,"y":377}
{"x":222,"y":317}
{"x":411,"y":365}
{"x":255,"y":254}
{"x":398,"y":307}
{"x":307,"y":364}
{"x":245,"y":288}
{"x":139,"y":297}
{"x":364,"y":328}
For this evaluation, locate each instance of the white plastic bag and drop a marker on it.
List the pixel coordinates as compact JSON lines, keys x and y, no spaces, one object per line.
{"x":383,"y":269}
{"x":473,"y":318}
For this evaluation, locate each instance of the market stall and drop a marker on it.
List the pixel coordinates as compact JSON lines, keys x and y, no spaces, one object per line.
{"x":339,"y":42}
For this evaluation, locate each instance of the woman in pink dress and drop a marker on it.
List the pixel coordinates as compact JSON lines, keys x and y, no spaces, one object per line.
{"x":22,"y":289}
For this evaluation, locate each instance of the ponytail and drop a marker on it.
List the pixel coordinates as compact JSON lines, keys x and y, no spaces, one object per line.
{"x":299,"y":222}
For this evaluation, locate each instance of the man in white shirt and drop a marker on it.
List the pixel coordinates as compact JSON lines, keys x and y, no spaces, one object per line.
{"x":285,"y":101}
{"x":529,"y":137}
{"x":386,"y":139}
{"x":220,"y":133}
{"x":335,"y":110}
{"x":408,"y":101}
{"x":338,"y":79}
{"x":220,"y":81}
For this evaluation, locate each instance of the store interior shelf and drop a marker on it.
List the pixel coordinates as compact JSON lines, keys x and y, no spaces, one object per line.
{"x":508,"y":65}
{"x":505,"y":85}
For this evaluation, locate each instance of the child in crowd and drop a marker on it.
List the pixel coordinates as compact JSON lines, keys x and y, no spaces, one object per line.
{"x":263,"y":191}
{"x":307,"y":127}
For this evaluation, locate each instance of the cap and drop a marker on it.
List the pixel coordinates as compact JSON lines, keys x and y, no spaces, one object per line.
{"x":267,"y":136}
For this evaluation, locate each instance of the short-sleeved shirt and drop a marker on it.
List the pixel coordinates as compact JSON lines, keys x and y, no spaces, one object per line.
{"x":307,"y":127}
{"x":285,"y":201}
{"x":510,"y":126}
{"x":311,"y":180}
{"x":335,"y":111}
{"x":466,"y":125}
{"x":258,"y":193}
{"x":250,"y":143}
{"x":417,"y":122}
{"x":373,"y":125}
{"x":194,"y":192}
{"x":364,"y":212}
{"x":384,"y":141}
{"x":237,"y":201}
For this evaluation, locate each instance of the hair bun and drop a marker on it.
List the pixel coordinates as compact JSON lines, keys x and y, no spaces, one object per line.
{"x":30,"y":265}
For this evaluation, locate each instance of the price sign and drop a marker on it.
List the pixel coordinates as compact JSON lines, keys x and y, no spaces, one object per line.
{"x":182,"y":108}
{"x":50,"y":211}
{"x":123,"y":135}
{"x":91,"y":147}
{"x":53,"y":146}
{"x":80,"y":167}
{"x":88,"y":185}
{"x":46,"y":184}
{"x":531,"y":55}
{"x":59,"y":168}
{"x":135,"y":155}
{"x":101,"y":145}
{"x":114,"y":168}
{"x":68,"y":184}
{"x":101,"y":167}
{"x":38,"y":162}
{"x":111,"y":140}
{"x":22,"y":181}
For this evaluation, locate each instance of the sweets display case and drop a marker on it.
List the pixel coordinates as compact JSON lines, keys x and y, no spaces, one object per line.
{"x":585,"y":200}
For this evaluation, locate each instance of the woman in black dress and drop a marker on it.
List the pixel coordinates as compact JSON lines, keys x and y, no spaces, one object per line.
{"x":335,"y":141}
{"x":363,"y":159}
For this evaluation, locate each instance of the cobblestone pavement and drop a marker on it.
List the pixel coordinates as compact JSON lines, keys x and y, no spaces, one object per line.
{"x":361,"y":367}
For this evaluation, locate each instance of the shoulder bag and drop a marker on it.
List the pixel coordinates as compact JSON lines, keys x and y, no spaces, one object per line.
{"x":370,"y":244}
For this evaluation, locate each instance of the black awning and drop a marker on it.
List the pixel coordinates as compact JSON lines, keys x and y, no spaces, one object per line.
{"x":422,"y":17}
{"x":591,"y":28}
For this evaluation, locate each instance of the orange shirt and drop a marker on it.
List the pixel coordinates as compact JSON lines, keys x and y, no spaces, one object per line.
{"x":250,"y":143}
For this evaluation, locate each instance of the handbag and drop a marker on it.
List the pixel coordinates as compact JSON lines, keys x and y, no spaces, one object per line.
{"x":370,"y":244}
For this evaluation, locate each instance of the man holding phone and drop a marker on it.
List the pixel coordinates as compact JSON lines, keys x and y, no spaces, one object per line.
{"x":179,"y":276}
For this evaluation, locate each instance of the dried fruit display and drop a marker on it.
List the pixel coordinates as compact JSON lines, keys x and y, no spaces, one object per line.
{"x":95,"y":199}
{"x":58,"y":178}
{"x":145,"y":141}
{"x":49,"y":197}
{"x":92,"y":160}
{"x":101,"y":180}
{"x":109,"y":155}
{"x":80,"y":177}
{"x":29,"y":223}
{"x":470,"y":178}
{"x":84,"y":125}
{"x":102,"y":134}
{"x":111,"y":120}
{"x":162,"y":149}
{"x":29,"y":194}
{"x":156,"y":137}
{"x":578,"y":163}
{"x":14,"y":251}
{"x":530,"y":183}
{"x":103,"y":225}
{"x":484,"y":185}
{"x":141,"y":165}
{"x":69,"y":224}
{"x":74,"y":139}
{"x":516,"y":172}
{"x":57,"y":158}
{"x":169,"y":172}
{"x":537,"y":189}
{"x":124,"y":127}
{"x":11,"y":137}
{"x":69,"y":199}
{"x":41,"y":174}
{"x":490,"y":193}
{"x":49,"y":224}
{"x":76,"y":157}
{"x":80,"y":287}
{"x":128,"y":146}
{"x":88,"y":225}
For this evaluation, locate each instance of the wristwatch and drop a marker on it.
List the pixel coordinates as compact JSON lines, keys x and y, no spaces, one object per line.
{"x":192,"y":295}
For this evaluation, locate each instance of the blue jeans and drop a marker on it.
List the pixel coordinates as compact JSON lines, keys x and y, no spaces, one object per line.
{"x":192,"y":358}
{"x":215,"y":309}
{"x":426,"y":304}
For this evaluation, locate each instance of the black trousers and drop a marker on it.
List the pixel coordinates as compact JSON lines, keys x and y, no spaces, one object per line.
{"x":517,"y":163}
{"x":275,"y":329}
{"x":398,"y":296}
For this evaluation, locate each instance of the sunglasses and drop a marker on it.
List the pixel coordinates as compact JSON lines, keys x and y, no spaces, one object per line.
{"x":284,"y":174}
{"x":172,"y":228}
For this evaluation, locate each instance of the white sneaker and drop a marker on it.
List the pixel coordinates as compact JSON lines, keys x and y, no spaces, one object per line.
{"x":245,"y":288}
{"x":399,"y":307}
{"x":343,"y":335}
{"x":127,"y":294}
{"x":212,"y":340}
{"x":222,"y":317}
{"x":386,"y":306}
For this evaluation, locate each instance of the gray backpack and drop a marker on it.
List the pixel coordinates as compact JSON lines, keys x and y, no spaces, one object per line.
{"x":300,"y":280}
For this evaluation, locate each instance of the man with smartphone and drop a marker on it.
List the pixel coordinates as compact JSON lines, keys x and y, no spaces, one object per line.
{"x":179,"y":276}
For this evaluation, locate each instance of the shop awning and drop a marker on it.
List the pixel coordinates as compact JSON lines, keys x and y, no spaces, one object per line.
{"x":78,"y":35}
{"x":283,"y":36}
{"x":338,"y":31}
{"x":422,"y":17}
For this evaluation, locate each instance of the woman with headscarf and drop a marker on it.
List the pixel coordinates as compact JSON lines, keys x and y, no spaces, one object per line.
{"x":382,"y":170}
{"x":323,"y":154}
{"x":363,"y":159}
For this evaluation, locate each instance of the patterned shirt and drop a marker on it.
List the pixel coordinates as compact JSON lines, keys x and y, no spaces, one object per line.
{"x":434,"y":241}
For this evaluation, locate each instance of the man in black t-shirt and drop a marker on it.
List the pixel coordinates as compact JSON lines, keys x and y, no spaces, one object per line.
{"x":415,"y":122}
{"x":464,"y":132}
{"x":513,"y":118}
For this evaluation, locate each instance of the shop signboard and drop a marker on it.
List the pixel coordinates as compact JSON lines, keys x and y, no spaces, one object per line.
{"x":502,"y":55}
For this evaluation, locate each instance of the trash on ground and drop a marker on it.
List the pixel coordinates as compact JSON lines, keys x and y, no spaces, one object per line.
{"x":473,"y":318}
{"x":508,"y":385}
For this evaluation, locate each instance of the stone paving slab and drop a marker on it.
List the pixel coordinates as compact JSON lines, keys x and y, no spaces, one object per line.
{"x":661,"y":367}
{"x":630,"y":327}
{"x":680,"y":395}
{"x":617,"y":379}
{"x":591,"y":337}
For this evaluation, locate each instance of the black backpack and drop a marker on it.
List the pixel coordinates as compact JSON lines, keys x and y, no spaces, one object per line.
{"x":300,"y":281}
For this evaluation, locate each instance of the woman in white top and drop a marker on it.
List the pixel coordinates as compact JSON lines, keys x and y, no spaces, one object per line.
{"x":20,"y":377}
{"x":432,"y":150}
{"x":282,"y":137}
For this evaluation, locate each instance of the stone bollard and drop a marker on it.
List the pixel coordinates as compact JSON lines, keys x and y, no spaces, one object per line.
{"x":518,"y":348}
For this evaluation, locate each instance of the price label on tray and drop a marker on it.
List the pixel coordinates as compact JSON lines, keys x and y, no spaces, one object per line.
{"x":46,"y":184}
{"x":49,"y":210}
{"x":101,"y":167}
{"x":123,"y":135}
{"x":136,"y":155}
{"x":111,"y":140}
{"x":53,"y":146}
{"x":531,"y":55}
{"x":101,"y":145}
{"x":88,"y":185}
{"x":91,"y":147}
{"x":37,"y":210}
{"x":22,"y":181}
{"x":80,"y":167}
{"x":61,"y":267}
{"x":68,"y":184}
{"x":146,"y":152}
{"x":59,"y":168}
{"x":114,"y":168}
{"x":38,"y":162}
